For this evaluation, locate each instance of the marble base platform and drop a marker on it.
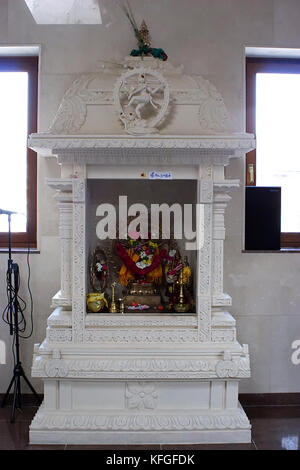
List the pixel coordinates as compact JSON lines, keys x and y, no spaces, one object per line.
{"x":91,"y":437}
{"x":192,"y":427}
{"x":160,"y":398}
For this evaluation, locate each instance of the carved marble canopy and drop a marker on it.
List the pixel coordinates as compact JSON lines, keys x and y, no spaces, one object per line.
{"x":88,"y":106}
{"x":196,"y":119}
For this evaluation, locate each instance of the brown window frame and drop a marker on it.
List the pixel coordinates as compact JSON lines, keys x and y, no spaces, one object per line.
{"x":26,"y":64}
{"x":265,"y":65}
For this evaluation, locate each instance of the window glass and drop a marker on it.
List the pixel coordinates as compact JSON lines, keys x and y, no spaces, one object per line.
{"x":278,"y":145}
{"x":14,"y":129}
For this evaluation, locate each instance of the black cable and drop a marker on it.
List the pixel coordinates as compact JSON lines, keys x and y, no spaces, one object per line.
{"x":20,"y":303}
{"x":30,"y":295}
{"x":13,"y":348}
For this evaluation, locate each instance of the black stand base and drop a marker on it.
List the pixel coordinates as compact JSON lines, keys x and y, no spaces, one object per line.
{"x":16,"y":382}
{"x":13,"y":308}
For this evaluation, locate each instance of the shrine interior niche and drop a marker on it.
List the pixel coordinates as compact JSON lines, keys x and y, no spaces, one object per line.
{"x":140,"y":346}
{"x":142,"y":287}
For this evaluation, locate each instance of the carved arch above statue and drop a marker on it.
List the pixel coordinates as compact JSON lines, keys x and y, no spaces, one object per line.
{"x":188,"y":105}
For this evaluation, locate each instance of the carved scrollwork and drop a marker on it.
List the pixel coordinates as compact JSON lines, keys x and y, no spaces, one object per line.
{"x":150,"y":322}
{"x":138,"y":422}
{"x":223,"y":335}
{"x":140,"y":336}
{"x":212,"y":113}
{"x":148,"y":368}
{"x":226,"y":369}
{"x":72,"y":112}
{"x":56,"y":367}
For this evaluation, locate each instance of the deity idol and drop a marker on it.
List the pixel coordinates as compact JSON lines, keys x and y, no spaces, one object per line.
{"x":141,"y":272}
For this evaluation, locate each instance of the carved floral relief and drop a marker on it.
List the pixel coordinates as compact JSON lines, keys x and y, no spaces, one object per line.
{"x":141,"y":395}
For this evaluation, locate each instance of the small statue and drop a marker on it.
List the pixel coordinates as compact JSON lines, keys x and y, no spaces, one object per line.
{"x":144,"y":34}
{"x":122,"y":306}
{"x":173,"y":266}
{"x":113,"y":305}
{"x":187,"y":272}
{"x":144,"y":96}
{"x":98,"y":270}
{"x":182,"y":306}
{"x":140,"y":272}
{"x":178,"y":275}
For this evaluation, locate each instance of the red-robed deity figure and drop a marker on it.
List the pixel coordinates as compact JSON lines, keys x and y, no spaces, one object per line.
{"x":142,"y":261}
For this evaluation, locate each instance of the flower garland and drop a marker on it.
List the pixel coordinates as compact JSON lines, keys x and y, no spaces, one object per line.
{"x":145,"y":252}
{"x":131,"y":265}
{"x":157,"y":53}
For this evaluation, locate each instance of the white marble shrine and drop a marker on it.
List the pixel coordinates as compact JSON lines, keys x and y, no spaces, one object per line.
{"x":141,"y":378}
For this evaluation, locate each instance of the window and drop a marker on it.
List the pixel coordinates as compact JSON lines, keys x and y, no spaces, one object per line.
{"x":18,"y":118}
{"x":273,"y":108}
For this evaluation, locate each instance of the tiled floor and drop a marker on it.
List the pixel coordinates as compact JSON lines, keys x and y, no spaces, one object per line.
{"x":272,"y":428}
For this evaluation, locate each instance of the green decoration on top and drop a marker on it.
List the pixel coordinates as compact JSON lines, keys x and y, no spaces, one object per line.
{"x":143,"y":38}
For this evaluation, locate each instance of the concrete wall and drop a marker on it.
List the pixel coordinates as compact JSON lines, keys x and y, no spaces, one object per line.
{"x":207,"y":37}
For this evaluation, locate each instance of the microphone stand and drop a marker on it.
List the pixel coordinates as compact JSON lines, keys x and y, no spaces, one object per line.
{"x":13,"y":310}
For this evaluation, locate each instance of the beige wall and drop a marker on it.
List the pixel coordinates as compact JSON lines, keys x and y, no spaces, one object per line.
{"x":208,"y":37}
